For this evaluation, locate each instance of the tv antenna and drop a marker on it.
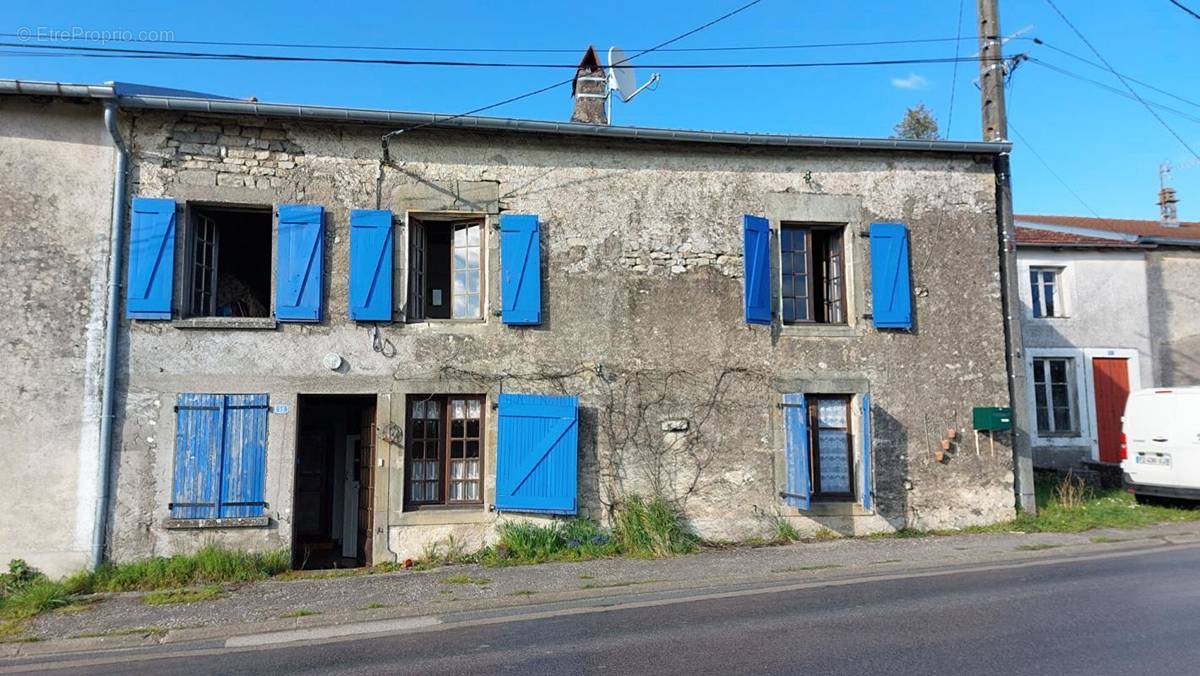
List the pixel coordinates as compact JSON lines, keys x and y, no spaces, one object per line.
{"x":622,"y":78}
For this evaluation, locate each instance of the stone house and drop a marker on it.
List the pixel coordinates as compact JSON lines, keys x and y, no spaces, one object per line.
{"x":1107,"y":307}
{"x":356,"y":345}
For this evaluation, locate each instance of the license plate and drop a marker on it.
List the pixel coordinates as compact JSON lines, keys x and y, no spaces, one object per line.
{"x":1153,"y":460}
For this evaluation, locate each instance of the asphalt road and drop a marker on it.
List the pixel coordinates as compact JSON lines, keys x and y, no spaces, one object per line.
{"x":1121,"y":615}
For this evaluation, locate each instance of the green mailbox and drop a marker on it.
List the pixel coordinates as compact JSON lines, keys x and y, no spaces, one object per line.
{"x":991,"y":418}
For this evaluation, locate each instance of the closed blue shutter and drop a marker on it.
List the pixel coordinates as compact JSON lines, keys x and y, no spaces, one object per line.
{"x":520,"y":269}
{"x":151,"y":259}
{"x":200,"y":419}
{"x":371,"y":265}
{"x":891,"y":288}
{"x":301,"y":257}
{"x":756,"y":257}
{"x":536,"y":456}
{"x":797,"y":489}
{"x":866,"y":451}
{"x":245,"y":455}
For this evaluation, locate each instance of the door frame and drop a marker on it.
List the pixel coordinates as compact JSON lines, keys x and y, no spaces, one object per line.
{"x":1133,"y":368}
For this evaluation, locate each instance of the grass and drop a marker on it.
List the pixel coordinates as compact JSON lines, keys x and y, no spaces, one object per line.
{"x":129,"y":631}
{"x":1035,"y":547}
{"x":210,"y":565}
{"x":804,"y":569}
{"x":375,"y":605}
{"x":299,"y":612}
{"x":466,"y":579}
{"x":1104,"y":539}
{"x":522,"y":592}
{"x":163,"y":598}
{"x":784,"y":531}
{"x":610,"y":585}
{"x":825,"y":534}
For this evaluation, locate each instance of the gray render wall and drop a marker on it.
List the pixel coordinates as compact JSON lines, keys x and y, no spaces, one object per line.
{"x":1173,"y":278}
{"x":642,"y":246}
{"x":56,"y":164}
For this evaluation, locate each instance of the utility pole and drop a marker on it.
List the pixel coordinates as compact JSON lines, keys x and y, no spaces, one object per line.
{"x":995,"y":128}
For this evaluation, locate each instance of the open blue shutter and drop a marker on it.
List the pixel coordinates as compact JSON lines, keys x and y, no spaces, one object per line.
{"x":891,"y":288}
{"x":371,"y":265}
{"x":151,"y":259}
{"x":536,"y":454}
{"x":243,"y":473}
{"x":797,"y":489}
{"x":866,"y":451}
{"x":198,"y":441}
{"x":756,"y":257}
{"x":520,"y":269}
{"x":301,"y":257}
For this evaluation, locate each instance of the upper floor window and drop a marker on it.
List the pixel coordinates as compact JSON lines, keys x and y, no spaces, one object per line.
{"x":229,"y":262}
{"x":445,"y":269}
{"x":813,"y":274}
{"x":1054,"y":396}
{"x":1045,"y":286}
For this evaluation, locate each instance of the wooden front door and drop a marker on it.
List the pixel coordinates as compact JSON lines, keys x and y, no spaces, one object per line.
{"x":366,"y":484}
{"x":1110,"y":377}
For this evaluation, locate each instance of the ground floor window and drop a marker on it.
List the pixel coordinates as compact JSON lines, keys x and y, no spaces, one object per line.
{"x":831,"y":447}
{"x":1054,"y":396}
{"x":445,"y":454}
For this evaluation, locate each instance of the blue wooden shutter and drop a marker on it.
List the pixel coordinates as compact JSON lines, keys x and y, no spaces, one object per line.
{"x":299,"y":270}
{"x":200,"y":419}
{"x":797,"y":489}
{"x":866,"y":451}
{"x":371,"y":265}
{"x":536,"y":456}
{"x":756,"y":257}
{"x":244,"y":464}
{"x":151,"y":259}
{"x":891,"y":288}
{"x":520,"y":269}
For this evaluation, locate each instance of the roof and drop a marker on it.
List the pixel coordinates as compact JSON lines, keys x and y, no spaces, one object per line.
{"x":139,"y":97}
{"x":1037,"y":237}
{"x":1083,"y":230}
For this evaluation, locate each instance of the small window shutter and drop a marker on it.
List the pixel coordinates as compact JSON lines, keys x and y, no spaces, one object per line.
{"x":198,"y":441}
{"x":891,"y":288}
{"x":795,"y":423}
{"x":756,"y":257}
{"x":245,"y":455}
{"x":536,"y":455}
{"x":520,"y":269}
{"x":300,"y":260}
{"x":371,"y":265}
{"x":151,"y":259}
{"x":867,"y":470}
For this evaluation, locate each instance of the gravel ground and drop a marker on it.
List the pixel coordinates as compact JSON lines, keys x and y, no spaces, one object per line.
{"x":385,"y":595}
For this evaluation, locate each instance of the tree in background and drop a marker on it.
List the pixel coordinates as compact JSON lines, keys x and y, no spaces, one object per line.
{"x":918,"y":124}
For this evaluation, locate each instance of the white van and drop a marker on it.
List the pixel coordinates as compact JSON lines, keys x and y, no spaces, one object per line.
{"x":1160,"y":443}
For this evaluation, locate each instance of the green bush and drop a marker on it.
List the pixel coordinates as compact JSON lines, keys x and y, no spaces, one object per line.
{"x":523,"y":542}
{"x":653,"y":528}
{"x":211,"y":564}
{"x":25,"y":592}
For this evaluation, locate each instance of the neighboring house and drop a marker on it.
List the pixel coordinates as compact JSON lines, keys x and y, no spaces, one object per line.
{"x":357,"y":356}
{"x":1108,"y":306}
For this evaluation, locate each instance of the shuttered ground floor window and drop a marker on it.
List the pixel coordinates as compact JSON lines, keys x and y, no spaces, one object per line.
{"x":220,"y":456}
{"x":445,"y":450}
{"x":820,"y":449}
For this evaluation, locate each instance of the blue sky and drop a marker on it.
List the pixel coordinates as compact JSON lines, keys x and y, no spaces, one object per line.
{"x":1105,"y":147}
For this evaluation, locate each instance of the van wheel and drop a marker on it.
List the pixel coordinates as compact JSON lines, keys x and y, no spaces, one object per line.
{"x":1145,"y":499}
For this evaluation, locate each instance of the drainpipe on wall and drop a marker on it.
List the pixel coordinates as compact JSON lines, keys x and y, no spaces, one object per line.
{"x":111,"y":328}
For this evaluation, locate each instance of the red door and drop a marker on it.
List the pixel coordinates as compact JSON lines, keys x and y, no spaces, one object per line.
{"x":1111,"y":380}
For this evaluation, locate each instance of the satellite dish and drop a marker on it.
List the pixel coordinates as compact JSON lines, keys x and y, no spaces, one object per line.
{"x":622,"y":77}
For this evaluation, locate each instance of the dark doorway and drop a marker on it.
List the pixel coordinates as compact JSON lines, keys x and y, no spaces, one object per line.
{"x":333,"y":515}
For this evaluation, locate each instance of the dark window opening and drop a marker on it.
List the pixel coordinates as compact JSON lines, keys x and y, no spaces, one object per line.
{"x":230,"y":263}
{"x":830,"y":444}
{"x":445,"y":273}
{"x":445,"y":450}
{"x":812,"y":274}
{"x":1054,"y":397}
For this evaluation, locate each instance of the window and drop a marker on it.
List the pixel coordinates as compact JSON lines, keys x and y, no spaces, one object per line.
{"x":831,"y":448}
{"x":812,"y":274}
{"x":230,"y":263}
{"x":220,"y":456}
{"x":445,"y":461}
{"x":444,"y":268}
{"x":1045,"y":285}
{"x":1054,"y":396}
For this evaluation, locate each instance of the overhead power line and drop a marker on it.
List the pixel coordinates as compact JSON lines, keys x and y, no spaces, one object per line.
{"x":1185,"y":8}
{"x":1103,"y":60}
{"x":954,"y":77}
{"x":1147,"y":85}
{"x":1110,"y":88}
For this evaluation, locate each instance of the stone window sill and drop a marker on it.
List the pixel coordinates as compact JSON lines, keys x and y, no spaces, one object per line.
{"x":226,"y":323}
{"x":229,"y":522}
{"x":819,"y":331}
{"x":445,"y":516}
{"x":836,"y":509}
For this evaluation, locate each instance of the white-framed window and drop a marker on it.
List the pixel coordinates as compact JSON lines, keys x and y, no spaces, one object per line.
{"x":1046,"y":292}
{"x":1055,"y":398}
{"x":445,"y":279}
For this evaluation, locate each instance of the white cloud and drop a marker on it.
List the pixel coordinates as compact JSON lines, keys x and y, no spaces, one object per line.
{"x":913,"y":81}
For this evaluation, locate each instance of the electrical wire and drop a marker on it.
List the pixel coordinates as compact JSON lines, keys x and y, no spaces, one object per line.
{"x":954,"y":77}
{"x":1110,"y":88}
{"x":1100,"y":56}
{"x":1147,"y":85}
{"x":1185,"y":8}
{"x":1050,"y":169}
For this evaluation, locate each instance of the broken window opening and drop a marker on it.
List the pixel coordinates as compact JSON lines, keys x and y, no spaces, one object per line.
{"x":230,"y":263}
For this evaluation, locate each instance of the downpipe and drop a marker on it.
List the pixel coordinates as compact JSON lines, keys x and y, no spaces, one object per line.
{"x":111,"y":332}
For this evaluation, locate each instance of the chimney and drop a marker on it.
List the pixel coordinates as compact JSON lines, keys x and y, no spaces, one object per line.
{"x":1166,"y":207}
{"x":590,"y":90}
